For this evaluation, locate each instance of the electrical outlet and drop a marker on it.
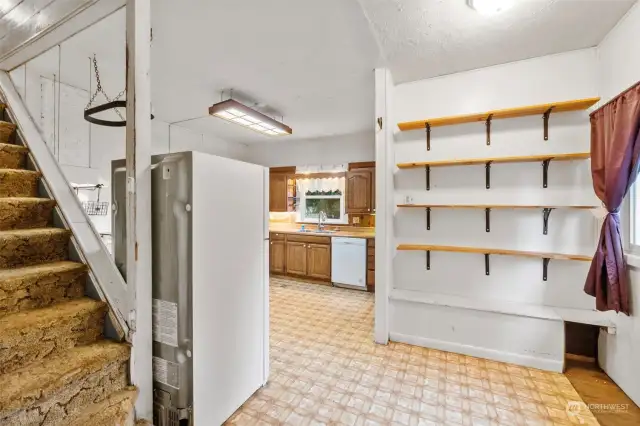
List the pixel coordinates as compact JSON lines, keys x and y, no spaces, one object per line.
{"x":356,"y":220}
{"x":408,"y":199}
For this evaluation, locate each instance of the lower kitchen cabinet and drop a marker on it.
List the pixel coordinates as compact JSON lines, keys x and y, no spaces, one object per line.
{"x":319,"y":261}
{"x":296,"y":258}
{"x":303,"y":256}
{"x":277,"y":257}
{"x":371,"y":264}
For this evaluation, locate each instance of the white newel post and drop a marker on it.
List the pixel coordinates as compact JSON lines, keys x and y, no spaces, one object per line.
{"x":139,"y":200}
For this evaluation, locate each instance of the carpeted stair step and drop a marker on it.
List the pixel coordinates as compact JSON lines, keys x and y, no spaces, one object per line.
{"x":25,"y":212}
{"x":57,"y":390}
{"x":35,"y":334}
{"x":24,"y":247}
{"x":12,"y":156}
{"x":6,"y":130}
{"x":19,"y":183}
{"x":113,"y":411}
{"x":40,"y":285}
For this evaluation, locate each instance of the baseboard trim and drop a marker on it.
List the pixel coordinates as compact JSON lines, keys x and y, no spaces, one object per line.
{"x":479,"y":352}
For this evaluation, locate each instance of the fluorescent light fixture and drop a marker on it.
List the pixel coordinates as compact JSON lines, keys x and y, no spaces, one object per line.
{"x":251,"y":119}
{"x":235,"y":112}
{"x":489,"y":7}
{"x":242,"y":121}
{"x":225,"y":115}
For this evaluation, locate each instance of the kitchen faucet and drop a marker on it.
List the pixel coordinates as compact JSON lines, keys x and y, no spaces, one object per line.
{"x":322,"y":216}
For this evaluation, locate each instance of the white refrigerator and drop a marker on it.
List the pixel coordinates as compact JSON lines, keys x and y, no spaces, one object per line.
{"x":210,"y":283}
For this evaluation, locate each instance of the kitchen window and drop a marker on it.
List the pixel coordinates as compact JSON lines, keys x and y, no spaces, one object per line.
{"x":325,"y":194}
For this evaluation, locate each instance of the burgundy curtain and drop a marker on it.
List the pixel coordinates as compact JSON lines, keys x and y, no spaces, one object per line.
{"x":615,"y":148}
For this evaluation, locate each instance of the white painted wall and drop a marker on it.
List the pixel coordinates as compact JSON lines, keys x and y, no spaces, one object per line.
{"x":619,"y":68}
{"x":328,"y":150}
{"x":513,"y":280}
{"x":84,"y":150}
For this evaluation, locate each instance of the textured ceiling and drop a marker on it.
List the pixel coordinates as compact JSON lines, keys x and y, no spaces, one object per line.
{"x":311,"y":61}
{"x":427,"y":38}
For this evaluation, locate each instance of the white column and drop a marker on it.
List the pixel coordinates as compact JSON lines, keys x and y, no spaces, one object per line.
{"x":385,"y":207}
{"x":139,"y":200}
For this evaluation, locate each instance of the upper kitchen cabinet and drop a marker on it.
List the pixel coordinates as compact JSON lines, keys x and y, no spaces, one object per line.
{"x":360,"y":188}
{"x":281,"y":189}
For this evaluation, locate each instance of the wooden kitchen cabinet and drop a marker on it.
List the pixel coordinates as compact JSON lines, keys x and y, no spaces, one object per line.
{"x":277,"y":256}
{"x":319,"y":261}
{"x":296,"y":260}
{"x":303,"y":256}
{"x":371,"y":264}
{"x":277,"y":192}
{"x":373,"y":189}
{"x":358,"y":191}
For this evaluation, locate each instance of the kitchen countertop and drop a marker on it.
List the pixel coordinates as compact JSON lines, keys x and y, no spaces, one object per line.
{"x":348,"y":231}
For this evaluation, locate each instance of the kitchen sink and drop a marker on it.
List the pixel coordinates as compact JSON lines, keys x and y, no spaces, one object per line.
{"x":317,"y":231}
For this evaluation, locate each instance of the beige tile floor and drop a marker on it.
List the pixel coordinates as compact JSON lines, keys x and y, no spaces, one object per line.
{"x":325,"y":369}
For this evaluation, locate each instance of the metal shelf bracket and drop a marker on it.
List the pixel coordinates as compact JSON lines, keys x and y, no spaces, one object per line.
{"x":428,"y":260}
{"x":488,"y":124}
{"x":545,"y":117}
{"x":545,"y":220}
{"x":486,"y":263}
{"x":487,"y":174}
{"x":545,"y":172}
{"x":427,"y":170}
{"x":427,"y":127}
{"x":487,"y":220}
{"x":545,"y":267}
{"x":428,"y":210}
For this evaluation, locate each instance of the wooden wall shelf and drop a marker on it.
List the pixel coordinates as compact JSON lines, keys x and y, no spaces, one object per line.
{"x":544,"y":109}
{"x":546,"y":211}
{"x":492,"y":206}
{"x":545,"y":159}
{"x":491,"y":160}
{"x":546,"y":257}
{"x":566,"y":106}
{"x":506,"y":252}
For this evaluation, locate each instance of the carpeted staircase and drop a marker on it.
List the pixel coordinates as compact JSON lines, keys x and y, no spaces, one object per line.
{"x":56,"y":368}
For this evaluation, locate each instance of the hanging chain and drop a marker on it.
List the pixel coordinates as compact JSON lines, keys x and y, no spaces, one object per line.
{"x":99,"y":87}
{"x":99,"y":90}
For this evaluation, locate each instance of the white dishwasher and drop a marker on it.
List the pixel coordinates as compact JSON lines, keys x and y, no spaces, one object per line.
{"x":349,"y":262}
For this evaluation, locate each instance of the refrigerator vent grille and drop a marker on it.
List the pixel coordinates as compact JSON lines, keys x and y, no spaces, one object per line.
{"x":165,"y":416}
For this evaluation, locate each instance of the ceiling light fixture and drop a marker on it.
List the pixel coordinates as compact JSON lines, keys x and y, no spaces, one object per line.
{"x":489,"y":7}
{"x":235,"y":112}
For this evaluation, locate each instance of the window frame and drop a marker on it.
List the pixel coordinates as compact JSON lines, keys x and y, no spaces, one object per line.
{"x":344,"y":219}
{"x":630,"y":229}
